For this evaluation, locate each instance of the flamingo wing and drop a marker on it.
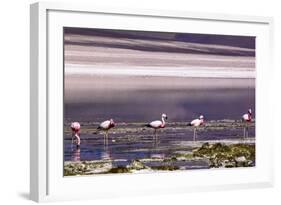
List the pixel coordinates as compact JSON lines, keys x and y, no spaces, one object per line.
{"x":105,"y":124}
{"x":245,"y":117}
{"x":156,"y":124}
{"x":195,"y":122}
{"x":75,"y":125}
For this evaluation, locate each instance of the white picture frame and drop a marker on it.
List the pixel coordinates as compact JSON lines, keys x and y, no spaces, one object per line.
{"x":46,"y":168}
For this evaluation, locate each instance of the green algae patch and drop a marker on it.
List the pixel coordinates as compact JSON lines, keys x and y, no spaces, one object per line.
{"x":117,"y":170}
{"x":228,"y":156}
{"x":86,"y":167}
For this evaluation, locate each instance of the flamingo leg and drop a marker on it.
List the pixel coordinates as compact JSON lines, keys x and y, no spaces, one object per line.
{"x":106,"y":137}
{"x":244,"y":132}
{"x":73,"y":138}
{"x":72,"y":141}
{"x":194,"y":133}
{"x":247,"y":131}
{"x":155,"y":137}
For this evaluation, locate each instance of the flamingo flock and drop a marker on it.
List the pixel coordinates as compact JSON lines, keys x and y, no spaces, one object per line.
{"x":105,"y":126}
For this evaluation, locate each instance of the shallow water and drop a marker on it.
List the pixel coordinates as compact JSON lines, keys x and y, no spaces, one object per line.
{"x":133,"y":102}
{"x":136,"y":142}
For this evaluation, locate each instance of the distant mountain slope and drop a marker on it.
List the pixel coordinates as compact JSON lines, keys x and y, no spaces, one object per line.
{"x":208,"y":39}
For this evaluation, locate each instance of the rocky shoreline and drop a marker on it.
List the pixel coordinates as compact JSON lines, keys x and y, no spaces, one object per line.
{"x":207,"y":155}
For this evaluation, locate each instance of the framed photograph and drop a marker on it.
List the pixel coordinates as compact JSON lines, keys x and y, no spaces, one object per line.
{"x":127,"y":102}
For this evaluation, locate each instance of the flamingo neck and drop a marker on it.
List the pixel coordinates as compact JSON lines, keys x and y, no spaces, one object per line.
{"x":111,"y":125}
{"x":163,"y":121}
{"x":249,"y":116}
{"x":77,"y":139}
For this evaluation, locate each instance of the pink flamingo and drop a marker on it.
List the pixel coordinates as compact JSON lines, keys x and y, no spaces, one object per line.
{"x":196,"y":123}
{"x":106,"y":126}
{"x":75,"y":127}
{"x":247,"y":118}
{"x":157,"y":124}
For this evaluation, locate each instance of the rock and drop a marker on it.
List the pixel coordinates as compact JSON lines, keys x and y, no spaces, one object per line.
{"x":241,"y":159}
{"x":68,"y":171}
{"x":165,"y":168}
{"x":99,"y":168}
{"x":228,"y":164}
{"x":206,"y":145}
{"x":220,"y":148}
{"x":221,"y":155}
{"x":81,"y":167}
{"x":137,"y":165}
{"x":215,"y":162}
{"x":250,"y":163}
{"x":181,"y":158}
{"x":119,"y":170}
